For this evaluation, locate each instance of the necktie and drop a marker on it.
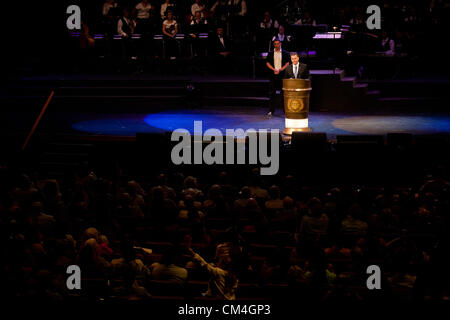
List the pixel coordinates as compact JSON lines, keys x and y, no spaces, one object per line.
{"x":295,"y":72}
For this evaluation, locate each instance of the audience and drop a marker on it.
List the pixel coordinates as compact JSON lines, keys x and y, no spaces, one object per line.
{"x":334,"y":233}
{"x":167,"y":6}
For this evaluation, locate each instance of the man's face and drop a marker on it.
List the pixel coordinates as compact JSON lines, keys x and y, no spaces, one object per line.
{"x":281,"y":30}
{"x":277,"y":45}
{"x":294,"y":59}
{"x":220,"y":31}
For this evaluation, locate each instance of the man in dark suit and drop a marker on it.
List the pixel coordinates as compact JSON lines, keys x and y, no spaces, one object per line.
{"x":296,"y":70}
{"x":221,"y":47}
{"x":277,"y":62}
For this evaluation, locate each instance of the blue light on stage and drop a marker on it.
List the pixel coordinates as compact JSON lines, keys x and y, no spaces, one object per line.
{"x":330,"y":123}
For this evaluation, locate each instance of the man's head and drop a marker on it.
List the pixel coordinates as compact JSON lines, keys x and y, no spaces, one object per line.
{"x":295,"y":58}
{"x":220,"y":31}
{"x":281,"y":30}
{"x":277,"y":44}
{"x":198,"y":15}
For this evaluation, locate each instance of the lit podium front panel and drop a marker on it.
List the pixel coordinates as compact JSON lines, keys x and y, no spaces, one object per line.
{"x":296,"y":104}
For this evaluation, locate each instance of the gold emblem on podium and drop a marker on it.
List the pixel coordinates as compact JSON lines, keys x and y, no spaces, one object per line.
{"x":295,"y":105}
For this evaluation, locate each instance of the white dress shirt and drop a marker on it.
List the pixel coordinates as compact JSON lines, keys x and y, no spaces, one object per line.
{"x":277,"y":58}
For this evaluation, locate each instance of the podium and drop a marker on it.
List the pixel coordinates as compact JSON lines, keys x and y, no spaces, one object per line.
{"x":296,"y":105}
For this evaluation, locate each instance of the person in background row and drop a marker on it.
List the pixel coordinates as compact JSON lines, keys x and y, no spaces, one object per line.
{"x":107,"y":6}
{"x":357,"y":23}
{"x":306,"y":20}
{"x":110,"y":13}
{"x":169,"y":268}
{"x":221,"y":47}
{"x":167,"y":6}
{"x":143,"y":16}
{"x":198,"y":25}
{"x":220,"y":12}
{"x":197,"y":6}
{"x":284,"y":38}
{"x":267,"y":23}
{"x":266,"y":29}
{"x":387,"y":45}
{"x":170,"y":30}
{"x":143,"y":10}
{"x":125,"y":28}
{"x":238,"y":13}
{"x":126,"y":25}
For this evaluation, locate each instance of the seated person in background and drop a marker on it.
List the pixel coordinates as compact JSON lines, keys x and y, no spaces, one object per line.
{"x":126,"y":25}
{"x":267,"y":23}
{"x":198,"y":20}
{"x":92,"y":264}
{"x":266,"y":29}
{"x":125,"y":28}
{"x":238,"y":13}
{"x":143,"y":9}
{"x":352,"y":225}
{"x":306,"y":20}
{"x":107,"y":6}
{"x":128,"y":261}
{"x":111,"y":13}
{"x":220,"y":12}
{"x":197,"y":6}
{"x":282,"y":37}
{"x":167,"y":6}
{"x":315,"y":223}
{"x":169,"y":268}
{"x":130,"y":269}
{"x":197,"y":25}
{"x":170,"y":30}
{"x":143,"y":15}
{"x":387,"y":45}
{"x":296,"y":70}
{"x":221,"y":48}
{"x":274,"y":203}
{"x":357,"y":23}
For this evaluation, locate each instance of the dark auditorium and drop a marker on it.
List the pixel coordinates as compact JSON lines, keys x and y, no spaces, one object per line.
{"x":225,"y":158}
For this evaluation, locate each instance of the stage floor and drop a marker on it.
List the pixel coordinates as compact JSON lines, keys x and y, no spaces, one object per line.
{"x":114,"y":125}
{"x":331,"y":123}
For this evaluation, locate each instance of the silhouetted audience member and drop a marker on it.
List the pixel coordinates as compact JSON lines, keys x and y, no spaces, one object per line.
{"x":169,"y":269}
{"x":223,"y":281}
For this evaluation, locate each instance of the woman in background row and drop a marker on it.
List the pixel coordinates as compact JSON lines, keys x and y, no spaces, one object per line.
{"x":170,"y":30}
